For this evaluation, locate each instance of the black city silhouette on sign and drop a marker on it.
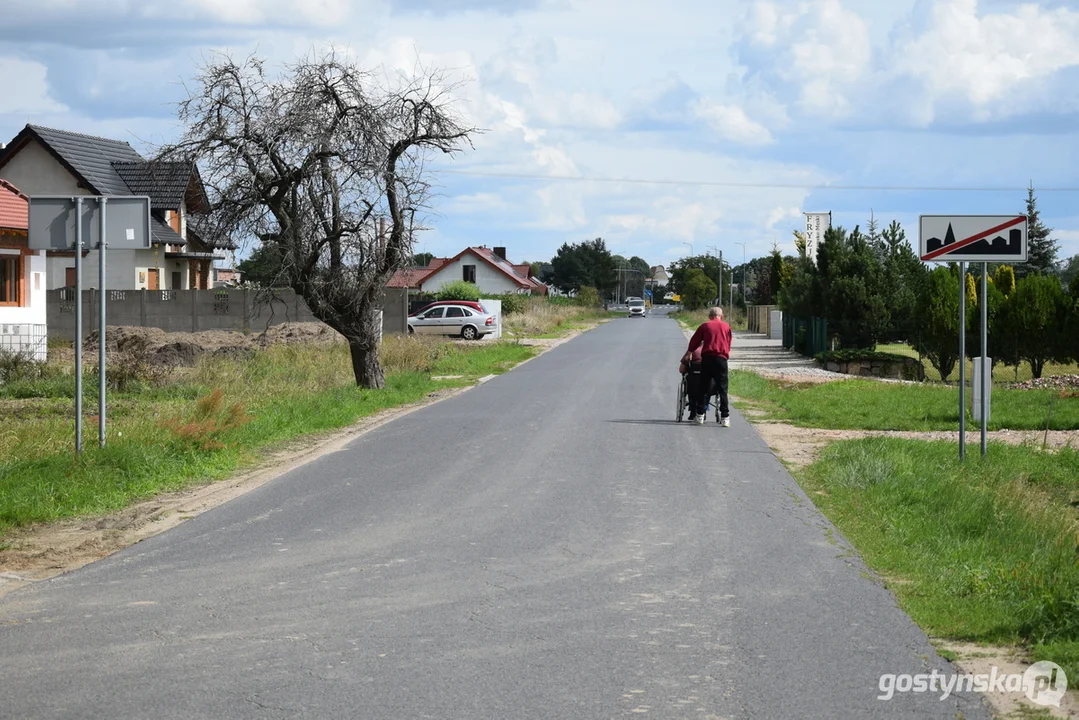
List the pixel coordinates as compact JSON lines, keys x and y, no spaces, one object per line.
{"x":999,"y":245}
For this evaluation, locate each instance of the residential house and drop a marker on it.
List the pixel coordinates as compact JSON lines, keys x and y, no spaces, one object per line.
{"x":227,"y":277}
{"x":44,"y":161}
{"x":22,"y":284}
{"x":486,"y":267}
{"x":658,"y":276}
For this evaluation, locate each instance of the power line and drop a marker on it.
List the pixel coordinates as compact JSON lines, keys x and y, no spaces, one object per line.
{"x":734,"y":184}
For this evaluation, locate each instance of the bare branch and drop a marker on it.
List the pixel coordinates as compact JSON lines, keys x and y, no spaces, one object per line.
{"x":310,"y":162}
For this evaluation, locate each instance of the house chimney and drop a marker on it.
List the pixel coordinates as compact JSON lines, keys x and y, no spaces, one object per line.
{"x":500,"y":252}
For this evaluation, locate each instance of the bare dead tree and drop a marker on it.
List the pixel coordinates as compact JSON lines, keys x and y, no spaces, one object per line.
{"x":325,"y":164}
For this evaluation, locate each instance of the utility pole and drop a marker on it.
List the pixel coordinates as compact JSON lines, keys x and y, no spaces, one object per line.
{"x":743,"y":277}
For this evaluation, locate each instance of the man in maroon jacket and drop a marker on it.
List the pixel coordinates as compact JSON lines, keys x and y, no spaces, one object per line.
{"x":713,"y":338}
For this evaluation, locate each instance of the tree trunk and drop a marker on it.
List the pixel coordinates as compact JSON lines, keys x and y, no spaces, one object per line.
{"x":366,"y":366}
{"x":1037,"y":365}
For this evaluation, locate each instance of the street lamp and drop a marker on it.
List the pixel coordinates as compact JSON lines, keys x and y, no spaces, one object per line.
{"x":743,"y":274}
{"x":690,"y":247}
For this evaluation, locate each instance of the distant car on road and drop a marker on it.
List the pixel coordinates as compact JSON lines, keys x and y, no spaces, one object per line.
{"x":452,"y":319}
{"x":636,"y":307}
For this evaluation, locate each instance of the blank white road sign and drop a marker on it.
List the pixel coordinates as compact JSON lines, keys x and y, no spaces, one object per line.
{"x":973,"y":238}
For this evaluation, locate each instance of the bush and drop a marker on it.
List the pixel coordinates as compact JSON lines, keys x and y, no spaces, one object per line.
{"x":1034,"y":322}
{"x":858,"y":355}
{"x":588,"y":296}
{"x":459,"y":290}
{"x":512,"y":303}
{"x":21,"y":366}
{"x":936,"y":315}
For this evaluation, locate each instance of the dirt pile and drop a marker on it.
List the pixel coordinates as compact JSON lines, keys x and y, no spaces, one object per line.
{"x":184,"y":348}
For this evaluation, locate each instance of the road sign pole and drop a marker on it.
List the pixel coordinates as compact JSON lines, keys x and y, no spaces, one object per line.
{"x":962,"y":361}
{"x":986,"y":371}
{"x":101,"y":245}
{"x":78,"y":325}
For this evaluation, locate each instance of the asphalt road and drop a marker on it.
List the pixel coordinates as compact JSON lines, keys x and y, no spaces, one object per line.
{"x":547,"y":545}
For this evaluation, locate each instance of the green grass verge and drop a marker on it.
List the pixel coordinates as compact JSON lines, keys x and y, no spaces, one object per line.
{"x":872,"y":405}
{"x":287,"y":393}
{"x":1001,"y":373}
{"x":982,"y":552}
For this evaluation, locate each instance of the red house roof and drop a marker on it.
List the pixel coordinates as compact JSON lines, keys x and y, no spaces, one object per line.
{"x":409,"y":277}
{"x":519,"y":274}
{"x":14,"y":208}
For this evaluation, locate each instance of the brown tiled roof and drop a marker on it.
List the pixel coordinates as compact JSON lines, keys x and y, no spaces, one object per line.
{"x":14,"y":208}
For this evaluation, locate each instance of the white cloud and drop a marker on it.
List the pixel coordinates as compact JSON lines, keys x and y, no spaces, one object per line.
{"x":561,"y":207}
{"x":777,"y":215}
{"x":580,"y":109}
{"x":732,"y":123}
{"x":25,"y":90}
{"x":1069,"y":242}
{"x":986,"y":59}
{"x":616,"y":88}
{"x":877,"y":64}
{"x":820,"y":49}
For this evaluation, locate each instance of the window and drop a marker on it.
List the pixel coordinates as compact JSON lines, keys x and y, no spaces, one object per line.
{"x":455,"y":312}
{"x":434,"y":313}
{"x":10,"y":280}
{"x":469,"y":273}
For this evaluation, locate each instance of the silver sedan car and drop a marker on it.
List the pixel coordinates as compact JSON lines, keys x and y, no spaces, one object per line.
{"x":459,"y":320}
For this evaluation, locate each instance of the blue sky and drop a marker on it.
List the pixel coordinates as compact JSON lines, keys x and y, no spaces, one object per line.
{"x":777,"y":96}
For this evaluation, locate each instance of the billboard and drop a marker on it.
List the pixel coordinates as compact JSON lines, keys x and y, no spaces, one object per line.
{"x":817,"y":224}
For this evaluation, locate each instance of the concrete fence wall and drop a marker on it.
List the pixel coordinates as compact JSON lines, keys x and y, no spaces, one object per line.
{"x":758,"y":318}
{"x":240,"y":309}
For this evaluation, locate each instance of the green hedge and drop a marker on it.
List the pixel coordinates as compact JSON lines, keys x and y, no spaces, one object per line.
{"x":458,"y":290}
{"x":858,"y":355}
{"x":511,"y":302}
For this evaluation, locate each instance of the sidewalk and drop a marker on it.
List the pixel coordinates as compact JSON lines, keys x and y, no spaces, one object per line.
{"x":759,"y":353}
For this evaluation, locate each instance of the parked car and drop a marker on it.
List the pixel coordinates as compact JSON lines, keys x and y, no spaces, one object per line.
{"x":636,"y":308}
{"x":467,"y":303}
{"x":452,"y":319}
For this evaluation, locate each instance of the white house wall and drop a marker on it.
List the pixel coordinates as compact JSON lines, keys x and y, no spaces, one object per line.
{"x":34,"y":313}
{"x":488,"y":280}
{"x":22,"y":329}
{"x":36,"y":172}
{"x":121,"y":269}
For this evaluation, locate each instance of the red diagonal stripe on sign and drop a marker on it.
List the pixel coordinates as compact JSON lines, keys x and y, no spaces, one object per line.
{"x":947,"y":249}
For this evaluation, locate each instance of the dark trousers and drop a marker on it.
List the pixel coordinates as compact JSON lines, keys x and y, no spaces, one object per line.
{"x":713,"y":370}
{"x":693,"y":384}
